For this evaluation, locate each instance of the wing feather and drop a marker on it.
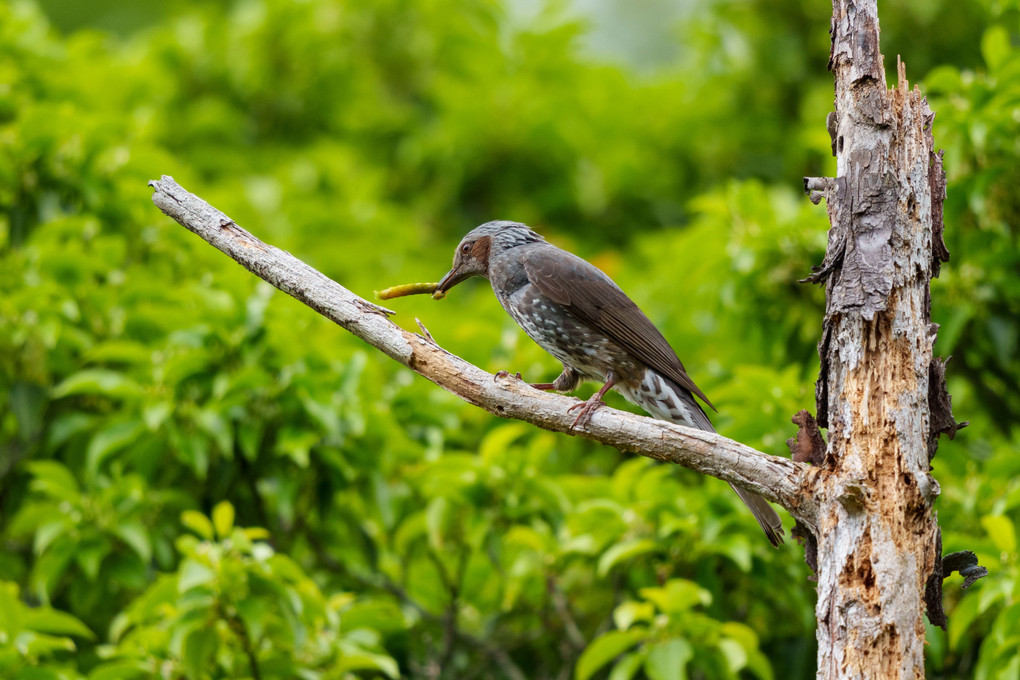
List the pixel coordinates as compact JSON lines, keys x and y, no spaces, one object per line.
{"x":592,"y":297}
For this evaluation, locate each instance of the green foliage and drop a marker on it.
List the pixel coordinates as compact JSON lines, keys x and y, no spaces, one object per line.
{"x":237,"y":608}
{"x":35,"y":642}
{"x":200,"y":478}
{"x":667,"y":626}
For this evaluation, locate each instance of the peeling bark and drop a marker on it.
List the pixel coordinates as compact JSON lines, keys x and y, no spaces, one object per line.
{"x":809,"y":445}
{"x":880,"y":392}
{"x":941,"y":404}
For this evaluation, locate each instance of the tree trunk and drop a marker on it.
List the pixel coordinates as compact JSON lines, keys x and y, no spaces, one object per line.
{"x":877,"y":535}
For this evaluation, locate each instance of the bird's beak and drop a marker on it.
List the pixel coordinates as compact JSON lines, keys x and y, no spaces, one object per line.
{"x":452,"y":278}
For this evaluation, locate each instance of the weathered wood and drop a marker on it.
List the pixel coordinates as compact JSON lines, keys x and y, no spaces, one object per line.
{"x":780,"y":480}
{"x":878,"y":543}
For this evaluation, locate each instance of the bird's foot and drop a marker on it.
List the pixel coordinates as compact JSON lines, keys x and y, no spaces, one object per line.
{"x":587,"y":408}
{"x":545,"y":387}
{"x":505,"y":374}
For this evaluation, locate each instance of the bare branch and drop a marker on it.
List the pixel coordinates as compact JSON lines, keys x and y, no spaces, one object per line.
{"x":780,"y":480}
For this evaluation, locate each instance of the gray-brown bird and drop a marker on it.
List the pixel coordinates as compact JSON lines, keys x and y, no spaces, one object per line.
{"x":580,"y":316}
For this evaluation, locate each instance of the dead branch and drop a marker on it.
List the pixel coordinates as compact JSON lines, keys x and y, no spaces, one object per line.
{"x":780,"y":480}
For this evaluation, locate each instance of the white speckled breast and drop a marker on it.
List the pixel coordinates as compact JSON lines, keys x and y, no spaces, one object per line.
{"x":570,"y":340}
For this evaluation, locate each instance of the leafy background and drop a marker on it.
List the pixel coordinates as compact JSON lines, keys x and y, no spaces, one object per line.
{"x":199,"y":478}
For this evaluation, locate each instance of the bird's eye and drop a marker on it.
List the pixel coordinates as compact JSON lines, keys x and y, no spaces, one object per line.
{"x":466,"y":248}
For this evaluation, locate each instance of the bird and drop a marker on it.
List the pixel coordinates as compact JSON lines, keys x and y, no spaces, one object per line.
{"x":576,"y":313}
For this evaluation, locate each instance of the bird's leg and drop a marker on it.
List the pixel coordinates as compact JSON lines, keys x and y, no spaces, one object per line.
{"x":589,"y":407}
{"x":566,"y":382}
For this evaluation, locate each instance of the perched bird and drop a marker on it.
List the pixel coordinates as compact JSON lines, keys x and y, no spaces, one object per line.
{"x":577,"y":314}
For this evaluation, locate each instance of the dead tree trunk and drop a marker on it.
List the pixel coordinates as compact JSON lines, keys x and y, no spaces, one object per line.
{"x":877,"y":534}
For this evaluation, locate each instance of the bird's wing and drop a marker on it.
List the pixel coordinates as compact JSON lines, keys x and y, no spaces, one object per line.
{"x":593,"y":297}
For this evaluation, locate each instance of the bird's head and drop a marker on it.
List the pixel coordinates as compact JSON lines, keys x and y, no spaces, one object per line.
{"x":481,"y":244}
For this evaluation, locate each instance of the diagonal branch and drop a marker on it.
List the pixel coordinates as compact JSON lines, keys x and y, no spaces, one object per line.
{"x":780,"y":480}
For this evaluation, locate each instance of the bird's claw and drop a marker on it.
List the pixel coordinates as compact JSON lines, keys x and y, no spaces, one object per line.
{"x":587,"y":408}
{"x":505,"y":374}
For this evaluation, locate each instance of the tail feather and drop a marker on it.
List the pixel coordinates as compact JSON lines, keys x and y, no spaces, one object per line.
{"x":767,"y":517}
{"x":653,"y":396}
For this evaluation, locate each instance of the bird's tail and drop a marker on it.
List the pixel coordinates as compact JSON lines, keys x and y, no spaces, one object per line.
{"x":767,"y":517}
{"x":666,"y":400}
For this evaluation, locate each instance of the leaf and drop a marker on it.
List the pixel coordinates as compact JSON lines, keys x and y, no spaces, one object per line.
{"x":736,"y":546}
{"x":90,"y":555}
{"x":960,"y":621}
{"x":55,"y":622}
{"x":944,"y":78}
{"x":740,"y":632}
{"x":193,"y":574}
{"x":627,"y":666}
{"x":626,"y":476}
{"x":360,"y":660}
{"x":668,"y":660}
{"x":760,"y":666}
{"x":256,"y":534}
{"x":995,"y":46}
{"x":121,"y":352}
{"x":622,"y":551}
{"x":604,"y":649}
{"x":47,"y":533}
{"x":119,"y":670}
{"x":436,"y":515}
{"x":50,"y":567}
{"x":379,"y":615}
{"x":217,"y":427}
{"x":40,"y":644}
{"x":54,"y":479}
{"x":627,"y":613}
{"x":137,"y":538}
{"x":28,"y":404}
{"x":494,"y":447}
{"x":108,"y":440}
{"x":199,"y":646}
{"x":255,"y":613}
{"x":154,"y":415}
{"x":677,"y":596}
{"x":198,"y":523}
{"x":1002,"y":532}
{"x":11,"y":609}
{"x":296,"y":443}
{"x":935,"y":640}
{"x":734,"y":653}
{"x":38,"y":673}
{"x":66,"y":426}
{"x":97,"y":381}
{"x":383,"y":497}
{"x":223,"y":519}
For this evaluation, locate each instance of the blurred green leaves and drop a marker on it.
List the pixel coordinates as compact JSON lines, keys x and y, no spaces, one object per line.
{"x":35,"y":641}
{"x":199,"y":477}
{"x":236,"y":608}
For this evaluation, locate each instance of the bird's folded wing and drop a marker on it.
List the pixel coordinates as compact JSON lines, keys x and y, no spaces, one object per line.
{"x":593,"y":298}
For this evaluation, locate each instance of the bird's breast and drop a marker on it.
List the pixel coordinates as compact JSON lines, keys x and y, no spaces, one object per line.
{"x":572,"y":341}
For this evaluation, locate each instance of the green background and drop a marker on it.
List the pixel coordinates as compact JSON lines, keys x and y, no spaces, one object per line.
{"x":200,"y":478}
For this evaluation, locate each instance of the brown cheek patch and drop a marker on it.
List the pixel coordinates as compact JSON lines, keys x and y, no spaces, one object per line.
{"x":480,"y":249}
